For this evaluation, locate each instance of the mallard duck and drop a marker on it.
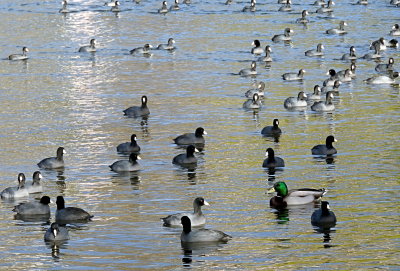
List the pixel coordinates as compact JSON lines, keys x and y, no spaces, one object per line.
{"x":300,"y":196}
{"x":324,"y":217}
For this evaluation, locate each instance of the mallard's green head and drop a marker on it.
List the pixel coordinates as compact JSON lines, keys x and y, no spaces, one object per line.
{"x":281,"y":189}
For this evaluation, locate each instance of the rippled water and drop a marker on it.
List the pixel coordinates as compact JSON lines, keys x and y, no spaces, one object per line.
{"x":63,"y":98}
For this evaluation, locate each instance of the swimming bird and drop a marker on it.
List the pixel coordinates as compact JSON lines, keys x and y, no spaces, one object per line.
{"x":257,"y":49}
{"x":169,"y":46}
{"x":272,"y":161}
{"x":291,"y":76}
{"x":53,"y":162}
{"x":344,"y":76}
{"x":376,"y":54}
{"x":259,"y":90}
{"x":380,"y":44}
{"x":35,"y":186}
{"x":300,"y":196}
{"x":110,"y":4}
{"x":197,"y":218}
{"x":22,"y":56}
{"x":338,"y":31}
{"x":253,"y":103}
{"x":16,"y":192}
{"x":393,"y":43}
{"x":164,"y":8}
{"x":251,"y":8}
{"x":191,"y":138}
{"x":129,"y":146}
{"x":383,"y":79}
{"x":249,"y":71}
{"x":316,"y":52}
{"x":267,"y":57}
{"x":70,"y":214}
{"x":115,"y":8}
{"x":328,"y":8}
{"x":324,"y":106}
{"x":127,"y":165}
{"x":273,"y":130}
{"x":395,"y":30}
{"x":190,"y":235}
{"x":286,"y":36}
{"x":286,"y":6}
{"x":323,"y":217}
{"x":186,"y":159}
{"x":138,"y":111}
{"x":145,"y":50}
{"x":319,"y":3}
{"x":175,"y":6}
{"x":303,"y":19}
{"x":385,"y":67}
{"x":316,"y":95}
{"x":351,"y":55}
{"x":56,"y":233}
{"x":362,"y":2}
{"x":64,"y":8}
{"x":325,"y":149}
{"x":295,"y":102}
{"x":34,"y":208}
{"x":91,"y":48}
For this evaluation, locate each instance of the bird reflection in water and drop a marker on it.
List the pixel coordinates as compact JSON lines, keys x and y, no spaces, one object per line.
{"x":199,"y":249}
{"x":55,"y":247}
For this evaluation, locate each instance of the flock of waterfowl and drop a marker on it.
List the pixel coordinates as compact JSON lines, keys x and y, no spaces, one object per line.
{"x":195,"y":141}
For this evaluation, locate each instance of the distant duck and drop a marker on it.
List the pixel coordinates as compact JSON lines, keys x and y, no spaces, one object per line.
{"x":286,"y":197}
{"x":292,"y":76}
{"x":138,"y":111}
{"x":110,"y":4}
{"x":286,"y":6}
{"x":316,"y":95}
{"x":326,"y":8}
{"x":362,"y":2}
{"x":35,"y":186}
{"x":128,"y":147}
{"x":175,"y":6}
{"x":267,"y":57}
{"x":323,"y":217}
{"x":334,"y":89}
{"x":19,"y":191}
{"x":324,"y":106}
{"x":332,"y":78}
{"x":186,"y":159}
{"x":53,"y":162}
{"x":376,"y":54}
{"x":351,"y":55}
{"x":272,"y":161}
{"x":197,"y":218}
{"x":345,"y":76}
{"x":395,"y":29}
{"x":295,"y":102}
{"x":22,"y":56}
{"x":145,"y":50}
{"x":338,"y":31}
{"x":191,"y":138}
{"x":286,"y":36}
{"x":228,"y":2}
{"x":303,"y":19}
{"x":393,"y":43}
{"x":115,"y":8}
{"x":91,"y":48}
{"x":189,"y":235}
{"x":385,"y":67}
{"x":259,"y":90}
{"x":253,"y":103}
{"x":56,"y":233}
{"x":34,"y":208}
{"x":64,"y":8}
{"x":164,"y":8}
{"x":251,"y":8}
{"x":127,"y":165}
{"x":380,"y":44}
{"x":316,"y":52}
{"x":257,"y":50}
{"x":249,"y":71}
{"x":325,"y":149}
{"x":383,"y":79}
{"x":169,"y":46}
{"x":319,"y":3}
{"x":273,"y":130}
{"x":352,"y":70}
